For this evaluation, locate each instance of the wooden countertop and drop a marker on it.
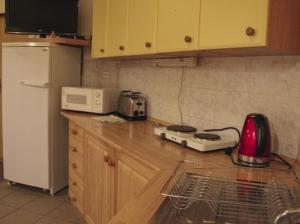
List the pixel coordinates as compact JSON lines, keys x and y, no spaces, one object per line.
{"x":137,"y":139}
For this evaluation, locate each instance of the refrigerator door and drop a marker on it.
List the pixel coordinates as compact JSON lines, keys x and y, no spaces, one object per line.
{"x":26,"y":92}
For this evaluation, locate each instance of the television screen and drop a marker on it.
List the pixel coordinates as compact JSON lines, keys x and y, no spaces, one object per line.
{"x":41,"y":16}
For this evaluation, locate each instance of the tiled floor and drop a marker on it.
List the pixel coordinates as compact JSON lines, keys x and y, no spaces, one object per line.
{"x":25,"y":205}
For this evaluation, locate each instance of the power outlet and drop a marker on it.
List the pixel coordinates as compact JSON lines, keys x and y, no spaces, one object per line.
{"x":106,"y":75}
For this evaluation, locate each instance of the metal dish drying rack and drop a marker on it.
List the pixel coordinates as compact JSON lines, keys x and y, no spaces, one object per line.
{"x":208,"y":195}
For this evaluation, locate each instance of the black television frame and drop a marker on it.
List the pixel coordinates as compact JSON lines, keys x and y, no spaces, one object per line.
{"x":35,"y":31}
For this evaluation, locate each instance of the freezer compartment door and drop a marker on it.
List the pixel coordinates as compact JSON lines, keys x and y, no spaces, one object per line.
{"x":26,"y":92}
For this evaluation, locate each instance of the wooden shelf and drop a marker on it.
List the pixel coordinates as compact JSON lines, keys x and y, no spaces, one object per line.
{"x":68,"y":41}
{"x":50,"y":39}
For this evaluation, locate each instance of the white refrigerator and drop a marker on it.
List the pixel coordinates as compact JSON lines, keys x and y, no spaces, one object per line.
{"x":35,"y":145}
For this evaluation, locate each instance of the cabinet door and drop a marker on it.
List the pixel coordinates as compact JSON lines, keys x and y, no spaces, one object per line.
{"x":117,"y":27}
{"x":99,"y":176}
{"x":233,"y":23}
{"x":141,"y":26}
{"x":177,"y":25}
{"x":132,"y":177}
{"x":99,"y":28}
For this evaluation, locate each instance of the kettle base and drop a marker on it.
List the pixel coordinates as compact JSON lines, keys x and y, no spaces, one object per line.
{"x":258,"y":162}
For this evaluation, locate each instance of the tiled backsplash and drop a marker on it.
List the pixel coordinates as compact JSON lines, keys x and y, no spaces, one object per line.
{"x":218,"y":92}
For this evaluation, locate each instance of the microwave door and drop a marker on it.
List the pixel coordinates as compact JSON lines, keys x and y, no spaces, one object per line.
{"x":79,"y":100}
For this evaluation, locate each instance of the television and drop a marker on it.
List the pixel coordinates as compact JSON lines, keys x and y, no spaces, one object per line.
{"x":41,"y":17}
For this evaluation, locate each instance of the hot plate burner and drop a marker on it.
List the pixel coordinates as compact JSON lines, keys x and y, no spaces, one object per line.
{"x":181,"y":128}
{"x":207,"y":136}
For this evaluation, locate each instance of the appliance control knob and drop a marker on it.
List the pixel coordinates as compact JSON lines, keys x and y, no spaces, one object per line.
{"x":141,"y":112}
{"x":184,"y":143}
{"x":163,"y":135}
{"x":135,"y":113}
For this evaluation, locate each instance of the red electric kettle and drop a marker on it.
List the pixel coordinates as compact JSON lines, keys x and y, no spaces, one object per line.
{"x":255,"y":143}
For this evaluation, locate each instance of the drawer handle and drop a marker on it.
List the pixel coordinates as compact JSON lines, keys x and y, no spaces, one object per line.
{"x":148,"y":44}
{"x":121,"y":48}
{"x":106,"y":159}
{"x":74,"y":149}
{"x":188,"y":39}
{"x":74,"y":166}
{"x":74,"y":132}
{"x":111,"y":163}
{"x":250,"y":31}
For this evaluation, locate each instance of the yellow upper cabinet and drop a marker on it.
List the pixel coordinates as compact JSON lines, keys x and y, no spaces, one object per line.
{"x":233,"y":23}
{"x":99,"y":28}
{"x":177,"y":25}
{"x":141,"y":26}
{"x":117,"y":27}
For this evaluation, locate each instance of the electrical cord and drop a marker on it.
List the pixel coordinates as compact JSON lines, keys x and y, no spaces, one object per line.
{"x":229,"y":151}
{"x":282,"y":160}
{"x":179,"y":95}
{"x":225,"y":129}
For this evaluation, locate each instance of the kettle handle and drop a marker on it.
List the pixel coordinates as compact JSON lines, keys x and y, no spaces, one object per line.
{"x":263,"y":134}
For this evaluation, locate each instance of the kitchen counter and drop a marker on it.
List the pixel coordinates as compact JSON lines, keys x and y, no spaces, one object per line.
{"x":138,"y":140}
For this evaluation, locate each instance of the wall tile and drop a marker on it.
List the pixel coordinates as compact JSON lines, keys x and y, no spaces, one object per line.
{"x":232,"y":107}
{"x":206,"y":79}
{"x":93,"y":71}
{"x":199,"y":103}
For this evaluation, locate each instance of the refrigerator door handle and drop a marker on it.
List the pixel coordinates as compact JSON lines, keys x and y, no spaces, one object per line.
{"x":35,"y":84}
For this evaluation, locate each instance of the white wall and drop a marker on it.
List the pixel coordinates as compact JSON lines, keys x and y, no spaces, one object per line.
{"x":85,"y":18}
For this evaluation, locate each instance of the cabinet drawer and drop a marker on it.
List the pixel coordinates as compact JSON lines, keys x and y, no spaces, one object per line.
{"x":75,"y":182}
{"x":142,"y":169}
{"x":76,"y":198}
{"x":75,"y":148}
{"x":76,"y":133}
{"x":76,"y":164}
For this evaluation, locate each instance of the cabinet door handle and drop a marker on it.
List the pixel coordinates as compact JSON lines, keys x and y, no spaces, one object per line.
{"x":74,"y":132}
{"x":111,"y":163}
{"x":148,"y":44}
{"x":74,"y":199}
{"x":250,"y":31}
{"x":74,"y":166}
{"x":74,"y":184}
{"x":106,"y":159}
{"x":74,"y":149}
{"x":188,"y":39}
{"x":102,"y":50}
{"x":121,"y":48}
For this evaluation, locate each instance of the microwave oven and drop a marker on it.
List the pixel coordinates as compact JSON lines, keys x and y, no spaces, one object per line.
{"x":101,"y":101}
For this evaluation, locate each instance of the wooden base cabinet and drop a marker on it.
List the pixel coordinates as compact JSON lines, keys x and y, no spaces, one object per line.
{"x":131,"y":177}
{"x":99,"y":183}
{"x":102,"y":179}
